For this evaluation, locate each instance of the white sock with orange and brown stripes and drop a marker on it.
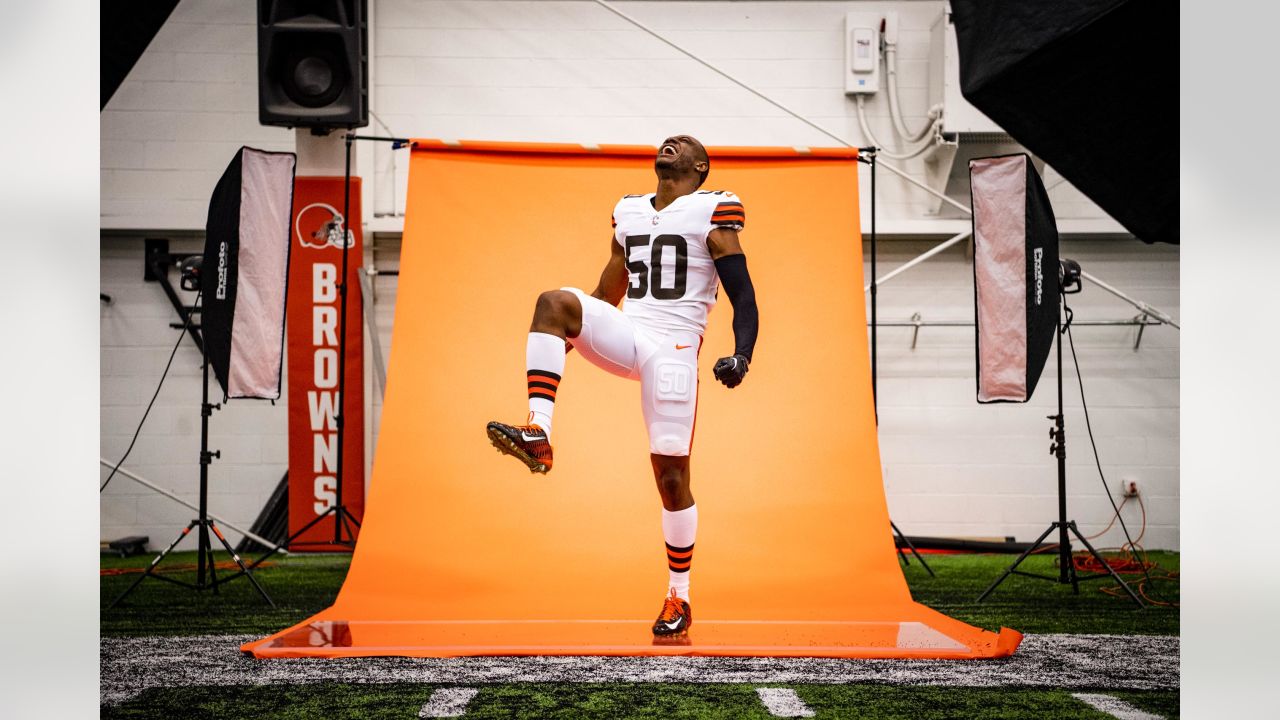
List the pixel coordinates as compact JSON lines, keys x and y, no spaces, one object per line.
{"x":544,"y":358}
{"x":679,"y":529}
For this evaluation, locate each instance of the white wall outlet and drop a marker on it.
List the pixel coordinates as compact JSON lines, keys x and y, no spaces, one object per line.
{"x":1129,"y":487}
{"x":862,"y":53}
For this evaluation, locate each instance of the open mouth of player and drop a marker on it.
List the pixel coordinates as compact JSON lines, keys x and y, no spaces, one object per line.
{"x":668,"y":150}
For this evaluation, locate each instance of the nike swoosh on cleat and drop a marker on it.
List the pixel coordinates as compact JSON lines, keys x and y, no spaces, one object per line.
{"x":530,"y":438}
{"x":683,"y":347}
{"x":672,"y":625}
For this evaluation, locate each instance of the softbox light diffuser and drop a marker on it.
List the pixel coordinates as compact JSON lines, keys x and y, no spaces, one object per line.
{"x":1091,"y":88}
{"x":246,"y":272}
{"x":1015,"y":276}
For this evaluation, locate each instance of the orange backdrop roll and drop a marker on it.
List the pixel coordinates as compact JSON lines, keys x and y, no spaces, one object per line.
{"x":463,"y":552}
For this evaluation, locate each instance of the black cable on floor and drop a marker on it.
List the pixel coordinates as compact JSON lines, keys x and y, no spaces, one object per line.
{"x":1106,"y":488}
{"x":156,"y":394}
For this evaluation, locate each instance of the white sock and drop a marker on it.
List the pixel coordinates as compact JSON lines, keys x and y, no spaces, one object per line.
{"x":544,"y":360}
{"x":679,"y":529}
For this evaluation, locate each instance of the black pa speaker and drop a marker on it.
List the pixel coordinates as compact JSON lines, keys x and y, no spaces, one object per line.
{"x":313,"y":68}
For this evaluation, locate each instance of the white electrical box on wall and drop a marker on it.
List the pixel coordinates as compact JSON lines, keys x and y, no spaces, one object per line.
{"x":861,"y":53}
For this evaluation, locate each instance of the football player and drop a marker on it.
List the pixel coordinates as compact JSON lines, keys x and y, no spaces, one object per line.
{"x":670,"y":251}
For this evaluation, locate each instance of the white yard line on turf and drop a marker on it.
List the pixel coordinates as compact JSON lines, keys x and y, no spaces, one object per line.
{"x":783,"y":702}
{"x":448,"y":702}
{"x":1103,"y":662}
{"x":1114,"y":706}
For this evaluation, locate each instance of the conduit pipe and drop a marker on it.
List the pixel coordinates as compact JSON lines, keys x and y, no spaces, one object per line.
{"x":905,"y":155}
{"x":895,"y":108}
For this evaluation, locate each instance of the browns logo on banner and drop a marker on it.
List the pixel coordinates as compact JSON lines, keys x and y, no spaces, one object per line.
{"x":313,"y":362}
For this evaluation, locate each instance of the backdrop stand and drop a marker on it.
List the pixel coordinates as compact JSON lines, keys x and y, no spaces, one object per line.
{"x":204,"y":552}
{"x":1066,"y":568}
{"x":343,"y":518}
{"x":868,"y":155}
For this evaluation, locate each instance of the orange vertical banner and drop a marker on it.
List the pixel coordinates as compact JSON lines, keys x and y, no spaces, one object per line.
{"x":312,"y":341}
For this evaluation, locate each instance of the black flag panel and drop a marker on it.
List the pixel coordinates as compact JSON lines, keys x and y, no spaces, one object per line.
{"x":1015,"y":276}
{"x":245,"y":272}
{"x":1090,"y":87}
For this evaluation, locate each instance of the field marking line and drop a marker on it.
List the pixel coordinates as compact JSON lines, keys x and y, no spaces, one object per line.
{"x":1114,"y":706}
{"x":448,"y":702}
{"x":783,"y":702}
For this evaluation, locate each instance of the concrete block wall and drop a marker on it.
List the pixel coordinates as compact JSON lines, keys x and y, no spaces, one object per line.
{"x":571,"y":71}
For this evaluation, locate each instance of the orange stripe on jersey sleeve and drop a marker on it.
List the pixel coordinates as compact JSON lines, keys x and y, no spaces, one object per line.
{"x":729,"y":213}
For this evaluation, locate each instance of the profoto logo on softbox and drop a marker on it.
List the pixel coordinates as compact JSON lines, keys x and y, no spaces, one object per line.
{"x":1015,"y":276}
{"x":247,"y":245}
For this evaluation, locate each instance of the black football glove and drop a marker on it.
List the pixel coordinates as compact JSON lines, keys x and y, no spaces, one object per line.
{"x":730,"y":370}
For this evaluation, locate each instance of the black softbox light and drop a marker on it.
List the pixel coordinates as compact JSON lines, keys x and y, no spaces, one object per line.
{"x":1091,"y":88}
{"x":245,"y":273}
{"x":1015,"y":276}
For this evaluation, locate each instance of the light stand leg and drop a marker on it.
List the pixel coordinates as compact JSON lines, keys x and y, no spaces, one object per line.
{"x":154,"y":563}
{"x":1110,"y":570}
{"x":341,"y":419}
{"x":1014,"y":567}
{"x":875,"y":396}
{"x":243,"y":570}
{"x":907,"y":541}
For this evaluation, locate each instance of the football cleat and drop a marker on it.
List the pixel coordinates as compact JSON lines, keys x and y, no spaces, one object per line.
{"x":675,"y":618}
{"x":528,"y":443}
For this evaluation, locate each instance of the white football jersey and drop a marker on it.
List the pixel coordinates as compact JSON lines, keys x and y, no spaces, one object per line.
{"x":673,"y":279}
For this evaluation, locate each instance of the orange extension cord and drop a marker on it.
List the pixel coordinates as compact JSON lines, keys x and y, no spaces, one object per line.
{"x":166,"y":569}
{"x":1131,"y":561}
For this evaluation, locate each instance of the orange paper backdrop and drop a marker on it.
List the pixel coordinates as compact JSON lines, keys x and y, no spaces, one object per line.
{"x":464,"y":552}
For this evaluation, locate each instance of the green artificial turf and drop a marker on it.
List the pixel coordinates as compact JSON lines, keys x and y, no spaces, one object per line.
{"x":1040,"y":606}
{"x":624,"y":700}
{"x":302,"y":585}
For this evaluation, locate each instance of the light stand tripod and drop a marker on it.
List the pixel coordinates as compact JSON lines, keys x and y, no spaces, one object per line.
{"x":1066,"y":528}
{"x":204,"y":551}
{"x":343,"y":519}
{"x":868,"y":155}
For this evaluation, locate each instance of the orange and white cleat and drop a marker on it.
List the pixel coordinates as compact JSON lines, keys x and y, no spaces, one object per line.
{"x":675,"y":618}
{"x":528,"y":443}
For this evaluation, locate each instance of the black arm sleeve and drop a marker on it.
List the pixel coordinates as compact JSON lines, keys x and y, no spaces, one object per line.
{"x":732,"y":270}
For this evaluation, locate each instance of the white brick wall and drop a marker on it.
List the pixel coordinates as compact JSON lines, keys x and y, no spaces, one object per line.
{"x":571,"y":71}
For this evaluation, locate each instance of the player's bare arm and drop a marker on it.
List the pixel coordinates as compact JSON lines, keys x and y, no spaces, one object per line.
{"x":731,"y":266}
{"x":613,"y":279}
{"x":722,"y":242}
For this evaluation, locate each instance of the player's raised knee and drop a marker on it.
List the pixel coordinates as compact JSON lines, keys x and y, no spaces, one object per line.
{"x":556,"y":304}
